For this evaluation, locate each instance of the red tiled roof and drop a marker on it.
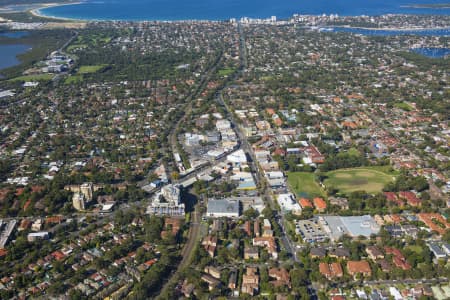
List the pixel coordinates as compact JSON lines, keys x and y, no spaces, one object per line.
{"x":58,"y":255}
{"x":19,"y":191}
{"x":319,"y":203}
{"x":391,"y":196}
{"x":430,"y":219}
{"x":305,"y":203}
{"x":53,"y":219}
{"x":355,"y":267}
{"x":151,"y":262}
{"x":3,"y":252}
{"x":410,"y":197}
{"x":270,"y":111}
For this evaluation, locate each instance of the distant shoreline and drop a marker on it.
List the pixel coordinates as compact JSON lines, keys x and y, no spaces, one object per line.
{"x":388,"y":29}
{"x":428,"y":6}
{"x":37,"y":11}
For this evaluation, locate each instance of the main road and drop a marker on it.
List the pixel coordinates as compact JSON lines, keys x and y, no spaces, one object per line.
{"x":260,"y":180}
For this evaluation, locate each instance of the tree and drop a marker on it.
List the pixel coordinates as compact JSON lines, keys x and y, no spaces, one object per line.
{"x":175,"y":175}
{"x":446,"y":236}
{"x":153,"y":228}
{"x":251,"y":213}
{"x":76,"y":294}
{"x":268,"y":213}
{"x":299,"y":278}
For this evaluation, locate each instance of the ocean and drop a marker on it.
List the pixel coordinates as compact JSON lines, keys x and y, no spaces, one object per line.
{"x":169,"y":10}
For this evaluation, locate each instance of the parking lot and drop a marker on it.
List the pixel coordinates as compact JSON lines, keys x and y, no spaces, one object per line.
{"x":310,"y":231}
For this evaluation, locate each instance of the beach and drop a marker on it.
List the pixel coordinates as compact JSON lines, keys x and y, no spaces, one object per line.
{"x":37,"y":11}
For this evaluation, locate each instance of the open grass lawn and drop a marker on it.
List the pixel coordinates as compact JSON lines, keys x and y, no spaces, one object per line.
{"x":403,"y":105}
{"x":38,"y":77}
{"x":90,"y":69}
{"x":370,"y":179}
{"x":76,"y":46}
{"x":416,"y":249}
{"x":385,"y":169}
{"x":73,"y":79}
{"x":304,"y":184}
{"x":226,"y":72}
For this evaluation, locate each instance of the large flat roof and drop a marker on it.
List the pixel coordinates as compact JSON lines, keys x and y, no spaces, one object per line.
{"x":223,"y":206}
{"x":353,"y":226}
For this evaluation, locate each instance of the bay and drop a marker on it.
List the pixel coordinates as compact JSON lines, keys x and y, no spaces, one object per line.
{"x":8,"y":54}
{"x":391,"y":32}
{"x":14,"y":34}
{"x":169,"y":10}
{"x":432,"y":52}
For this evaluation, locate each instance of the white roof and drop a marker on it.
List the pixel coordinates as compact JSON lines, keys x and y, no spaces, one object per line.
{"x":215,"y":152}
{"x":237,"y":157}
{"x":307,"y":160}
{"x":395,"y":293}
{"x":107,"y":206}
{"x":275,"y":175}
{"x":38,"y":234}
{"x":288,"y":202}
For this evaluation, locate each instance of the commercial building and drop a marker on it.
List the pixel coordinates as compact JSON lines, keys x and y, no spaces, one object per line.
{"x":35,"y":236}
{"x":353,"y":226}
{"x":311,"y":231}
{"x":223,"y":208}
{"x":288,"y":202}
{"x":256,"y":203}
{"x":238,"y":157}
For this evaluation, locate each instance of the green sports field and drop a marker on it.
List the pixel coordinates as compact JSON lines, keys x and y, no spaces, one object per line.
{"x":371,"y":179}
{"x":38,"y":77}
{"x":304,"y":184}
{"x":226,"y":72}
{"x":90,"y":69}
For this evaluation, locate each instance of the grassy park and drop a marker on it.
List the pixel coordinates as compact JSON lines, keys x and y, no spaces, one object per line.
{"x":226,"y":72}
{"x":90,"y":69}
{"x":38,"y":77}
{"x":369,"y":179}
{"x":304,"y":184}
{"x":73,"y":79}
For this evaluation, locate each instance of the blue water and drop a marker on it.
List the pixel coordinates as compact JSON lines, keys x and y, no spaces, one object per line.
{"x":432,"y":52}
{"x":225,"y":9}
{"x":14,"y":34}
{"x":8,"y":54}
{"x":427,"y":32}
